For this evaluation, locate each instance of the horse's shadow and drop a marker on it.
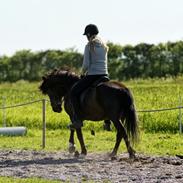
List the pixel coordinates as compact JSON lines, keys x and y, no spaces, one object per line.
{"x":47,"y":161}
{"x":42,"y":161}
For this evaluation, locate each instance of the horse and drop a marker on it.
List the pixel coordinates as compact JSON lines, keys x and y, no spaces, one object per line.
{"x":109,"y":100}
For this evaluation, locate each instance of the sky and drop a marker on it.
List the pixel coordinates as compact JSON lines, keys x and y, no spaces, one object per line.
{"x":59,"y":24}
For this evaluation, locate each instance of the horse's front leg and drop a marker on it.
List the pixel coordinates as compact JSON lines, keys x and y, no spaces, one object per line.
{"x":81,"y":141}
{"x":72,"y":147}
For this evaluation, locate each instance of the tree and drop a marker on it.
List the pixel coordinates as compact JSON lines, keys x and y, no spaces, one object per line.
{"x":143,"y":59}
{"x":4,"y":68}
{"x":115,"y":51}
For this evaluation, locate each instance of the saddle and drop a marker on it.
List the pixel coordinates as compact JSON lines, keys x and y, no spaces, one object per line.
{"x":100,"y":81}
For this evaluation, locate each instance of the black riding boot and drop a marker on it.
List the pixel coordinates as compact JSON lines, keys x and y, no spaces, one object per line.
{"x":107,"y":125}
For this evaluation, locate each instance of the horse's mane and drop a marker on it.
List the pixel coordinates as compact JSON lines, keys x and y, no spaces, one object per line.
{"x":63,"y":77}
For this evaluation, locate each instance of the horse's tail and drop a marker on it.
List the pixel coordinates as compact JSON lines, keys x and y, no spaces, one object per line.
{"x":130,"y":114}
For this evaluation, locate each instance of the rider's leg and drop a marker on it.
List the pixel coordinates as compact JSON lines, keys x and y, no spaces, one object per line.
{"x":76,"y":91}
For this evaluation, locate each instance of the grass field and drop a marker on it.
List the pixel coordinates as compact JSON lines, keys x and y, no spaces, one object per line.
{"x":157,"y":128}
{"x":148,"y":94}
{"x":57,"y":140}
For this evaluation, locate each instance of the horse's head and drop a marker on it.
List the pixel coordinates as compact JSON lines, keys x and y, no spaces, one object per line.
{"x":54,"y":92}
{"x":56,"y":85}
{"x":56,"y":99}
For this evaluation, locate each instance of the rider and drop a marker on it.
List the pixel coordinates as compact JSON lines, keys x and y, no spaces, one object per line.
{"x":94,"y":67}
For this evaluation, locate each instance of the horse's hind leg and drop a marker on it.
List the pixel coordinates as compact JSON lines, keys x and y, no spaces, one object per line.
{"x":119,"y":136}
{"x":121,"y":133}
{"x":131,"y":151}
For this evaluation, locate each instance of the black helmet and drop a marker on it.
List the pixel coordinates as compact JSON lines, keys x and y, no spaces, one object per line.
{"x":91,"y":29}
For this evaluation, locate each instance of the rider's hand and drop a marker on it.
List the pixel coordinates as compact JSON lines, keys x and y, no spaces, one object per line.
{"x":83,"y":73}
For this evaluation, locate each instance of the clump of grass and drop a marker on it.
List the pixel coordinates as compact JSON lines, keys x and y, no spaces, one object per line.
{"x":25,"y":180}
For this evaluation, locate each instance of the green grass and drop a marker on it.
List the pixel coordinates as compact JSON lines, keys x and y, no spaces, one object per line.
{"x":27,"y":180}
{"x":157,"y":143}
{"x":148,"y":94}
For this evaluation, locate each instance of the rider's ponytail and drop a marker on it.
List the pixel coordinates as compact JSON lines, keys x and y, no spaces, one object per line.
{"x":93,"y":40}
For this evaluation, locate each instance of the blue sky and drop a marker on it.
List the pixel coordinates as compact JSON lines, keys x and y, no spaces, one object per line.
{"x":59,"y":24}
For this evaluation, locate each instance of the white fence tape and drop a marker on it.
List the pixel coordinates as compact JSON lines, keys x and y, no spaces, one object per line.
{"x":19,"y":105}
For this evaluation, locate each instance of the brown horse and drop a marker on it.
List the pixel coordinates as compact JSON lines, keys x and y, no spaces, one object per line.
{"x":107,"y":101}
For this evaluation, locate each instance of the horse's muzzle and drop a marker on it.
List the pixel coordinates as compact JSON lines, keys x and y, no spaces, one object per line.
{"x":57,"y":109}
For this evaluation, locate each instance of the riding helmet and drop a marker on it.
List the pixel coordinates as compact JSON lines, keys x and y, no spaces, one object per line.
{"x":91,"y":29}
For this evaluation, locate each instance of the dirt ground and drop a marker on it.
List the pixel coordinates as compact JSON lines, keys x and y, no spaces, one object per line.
{"x":94,"y":167}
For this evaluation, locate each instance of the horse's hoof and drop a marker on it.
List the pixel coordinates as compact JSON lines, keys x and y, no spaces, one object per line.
{"x":112,"y":155}
{"x":132,"y":153}
{"x":113,"y":158}
{"x":132,"y":156}
{"x":76,"y":154}
{"x":72,"y":148}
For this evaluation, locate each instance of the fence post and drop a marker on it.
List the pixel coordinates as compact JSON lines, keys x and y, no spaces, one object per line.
{"x":4,"y":111}
{"x":44,"y":123}
{"x":180,"y":115}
